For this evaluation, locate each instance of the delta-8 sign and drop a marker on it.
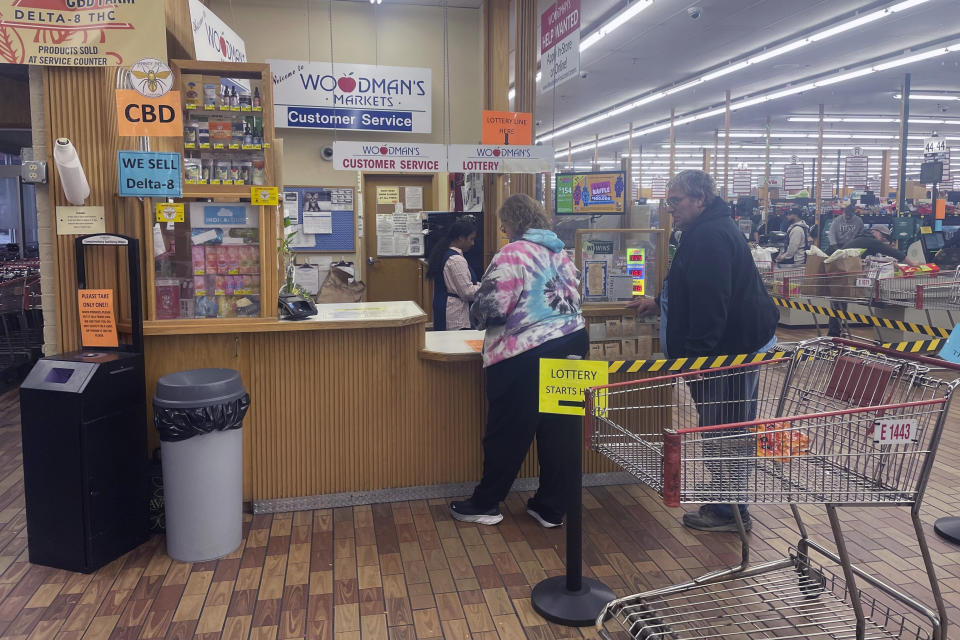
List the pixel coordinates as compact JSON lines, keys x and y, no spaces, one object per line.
{"x":360,"y":97}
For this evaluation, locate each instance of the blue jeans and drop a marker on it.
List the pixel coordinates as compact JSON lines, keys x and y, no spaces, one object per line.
{"x":724,"y":397}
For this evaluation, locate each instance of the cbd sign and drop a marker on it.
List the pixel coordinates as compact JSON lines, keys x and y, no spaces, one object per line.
{"x":141,"y":116}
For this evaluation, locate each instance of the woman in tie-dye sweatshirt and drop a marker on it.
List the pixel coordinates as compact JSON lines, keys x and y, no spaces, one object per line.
{"x":529,"y":304}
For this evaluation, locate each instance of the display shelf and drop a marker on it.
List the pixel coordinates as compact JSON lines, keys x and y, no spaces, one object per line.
{"x":226,"y":149}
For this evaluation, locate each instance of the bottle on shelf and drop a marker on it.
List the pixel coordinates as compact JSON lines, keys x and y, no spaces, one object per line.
{"x":256,"y":96}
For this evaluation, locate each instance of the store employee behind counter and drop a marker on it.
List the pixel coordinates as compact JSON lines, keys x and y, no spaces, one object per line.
{"x":454,"y":282}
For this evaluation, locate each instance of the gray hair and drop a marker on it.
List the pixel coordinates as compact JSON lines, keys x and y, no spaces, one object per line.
{"x":695,"y":184}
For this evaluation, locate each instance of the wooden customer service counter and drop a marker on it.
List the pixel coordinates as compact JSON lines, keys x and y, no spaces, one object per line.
{"x":359,"y":399}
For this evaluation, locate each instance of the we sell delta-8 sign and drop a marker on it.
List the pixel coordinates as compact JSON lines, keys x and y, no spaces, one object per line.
{"x":324,"y":95}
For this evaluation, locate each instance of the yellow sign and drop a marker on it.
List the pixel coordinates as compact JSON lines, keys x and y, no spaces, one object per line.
{"x":81,"y":33}
{"x":563,"y":383}
{"x":926,"y":230}
{"x":170,"y":212}
{"x":265,"y":196}
{"x":388,"y":195}
{"x":79,"y":221}
{"x":98,"y":325}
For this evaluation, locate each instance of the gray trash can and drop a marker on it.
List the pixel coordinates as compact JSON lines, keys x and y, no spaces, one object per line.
{"x":198,"y":415}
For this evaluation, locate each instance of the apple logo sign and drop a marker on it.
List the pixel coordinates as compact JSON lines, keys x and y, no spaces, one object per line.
{"x":383,"y":151}
{"x":496,"y":153}
{"x":346,"y":84}
{"x":223,"y":46}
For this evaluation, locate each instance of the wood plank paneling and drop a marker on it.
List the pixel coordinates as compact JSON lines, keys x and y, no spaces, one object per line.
{"x":80,"y":105}
{"x":346,"y":410}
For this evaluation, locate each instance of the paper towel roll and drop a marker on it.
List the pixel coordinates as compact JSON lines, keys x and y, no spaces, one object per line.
{"x":72,"y":178}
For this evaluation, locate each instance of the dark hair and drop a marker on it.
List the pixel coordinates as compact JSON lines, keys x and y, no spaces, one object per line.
{"x":461,"y":228}
{"x":850,"y":209}
{"x":796,"y":211}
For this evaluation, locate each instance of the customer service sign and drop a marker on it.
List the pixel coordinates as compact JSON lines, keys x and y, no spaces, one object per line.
{"x":81,"y":33}
{"x":361,"y":97}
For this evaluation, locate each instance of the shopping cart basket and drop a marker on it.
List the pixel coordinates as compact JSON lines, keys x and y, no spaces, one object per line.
{"x":904,"y":291}
{"x":835,"y":424}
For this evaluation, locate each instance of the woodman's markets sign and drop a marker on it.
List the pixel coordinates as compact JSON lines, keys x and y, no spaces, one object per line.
{"x":82,"y":33}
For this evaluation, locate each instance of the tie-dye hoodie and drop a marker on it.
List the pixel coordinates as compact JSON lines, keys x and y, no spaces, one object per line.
{"x":529,"y":295}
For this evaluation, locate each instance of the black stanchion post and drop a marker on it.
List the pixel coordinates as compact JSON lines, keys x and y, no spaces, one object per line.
{"x":572,"y":600}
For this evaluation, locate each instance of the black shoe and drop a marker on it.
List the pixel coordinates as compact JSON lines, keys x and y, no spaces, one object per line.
{"x":546,"y":519}
{"x":707,"y":519}
{"x":466,"y":511}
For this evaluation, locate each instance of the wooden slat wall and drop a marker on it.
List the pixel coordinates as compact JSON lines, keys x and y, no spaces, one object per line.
{"x":80,"y":105}
{"x":346,"y":410}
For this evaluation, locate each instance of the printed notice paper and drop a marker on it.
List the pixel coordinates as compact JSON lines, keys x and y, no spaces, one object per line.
{"x":98,"y":326}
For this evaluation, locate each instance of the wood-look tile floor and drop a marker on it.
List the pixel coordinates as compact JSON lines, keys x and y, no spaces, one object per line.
{"x":406,"y":570}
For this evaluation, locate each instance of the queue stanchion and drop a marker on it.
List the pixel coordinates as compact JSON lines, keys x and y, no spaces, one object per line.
{"x":571,"y":599}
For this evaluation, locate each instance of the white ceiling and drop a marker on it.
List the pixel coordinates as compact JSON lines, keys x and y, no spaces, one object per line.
{"x":663,"y":46}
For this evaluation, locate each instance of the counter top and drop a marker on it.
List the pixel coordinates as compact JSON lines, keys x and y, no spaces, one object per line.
{"x":344,"y":315}
{"x":452,"y":346}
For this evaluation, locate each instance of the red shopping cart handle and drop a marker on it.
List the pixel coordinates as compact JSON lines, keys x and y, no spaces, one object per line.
{"x":903,"y":355}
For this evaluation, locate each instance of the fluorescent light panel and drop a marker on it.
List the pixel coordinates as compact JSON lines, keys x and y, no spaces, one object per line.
{"x":741,"y":64}
{"x":894,"y":62}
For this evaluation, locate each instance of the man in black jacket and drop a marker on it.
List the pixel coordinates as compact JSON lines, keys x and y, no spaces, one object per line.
{"x":713,"y":303}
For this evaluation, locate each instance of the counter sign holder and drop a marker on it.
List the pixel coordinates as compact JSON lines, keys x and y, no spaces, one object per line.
{"x":571,"y":600}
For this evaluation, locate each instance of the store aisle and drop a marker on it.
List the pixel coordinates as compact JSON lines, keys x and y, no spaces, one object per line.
{"x":406,"y":570}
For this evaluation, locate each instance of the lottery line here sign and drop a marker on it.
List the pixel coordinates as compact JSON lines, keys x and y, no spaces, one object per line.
{"x":563,"y":384}
{"x":98,"y":326}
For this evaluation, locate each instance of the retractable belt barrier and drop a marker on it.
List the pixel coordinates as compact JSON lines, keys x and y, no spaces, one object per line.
{"x":875,"y":321}
{"x":691,"y":364}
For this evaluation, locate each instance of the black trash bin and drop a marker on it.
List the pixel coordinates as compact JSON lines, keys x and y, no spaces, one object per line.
{"x":198,"y":415}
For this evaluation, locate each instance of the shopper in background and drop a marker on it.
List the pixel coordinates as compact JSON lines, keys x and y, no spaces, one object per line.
{"x":529,"y":304}
{"x":845,"y":228}
{"x":798,"y":239}
{"x":713,"y":302}
{"x":454,"y":282}
{"x":877,"y":242}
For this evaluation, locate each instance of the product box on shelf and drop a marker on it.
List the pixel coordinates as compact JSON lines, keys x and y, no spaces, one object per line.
{"x":611,"y":350}
{"x":628,"y":326}
{"x":614,"y":328}
{"x":596,"y":351}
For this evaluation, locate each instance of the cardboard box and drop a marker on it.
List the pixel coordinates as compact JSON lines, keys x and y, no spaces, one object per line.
{"x":813,"y":279}
{"x":614,"y":328}
{"x":611,"y":350}
{"x":843,"y":285}
{"x":597,"y":331}
{"x":644,"y":348}
{"x":647,"y":329}
{"x":628,"y":349}
{"x":628,"y":326}
{"x":596,"y":351}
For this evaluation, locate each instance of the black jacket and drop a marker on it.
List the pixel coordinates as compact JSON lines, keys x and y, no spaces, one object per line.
{"x":716,"y":302}
{"x":873,"y":247}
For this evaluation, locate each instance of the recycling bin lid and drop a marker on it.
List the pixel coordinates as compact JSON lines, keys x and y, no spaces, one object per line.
{"x":198,"y":388}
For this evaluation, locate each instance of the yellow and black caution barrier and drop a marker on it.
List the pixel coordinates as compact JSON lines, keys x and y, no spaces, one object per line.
{"x":916,"y":346}
{"x":873,"y":321}
{"x":692,"y":364}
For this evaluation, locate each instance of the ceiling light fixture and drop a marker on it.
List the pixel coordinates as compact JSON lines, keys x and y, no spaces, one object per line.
{"x":736,"y":66}
{"x":940,"y":97}
{"x":891,"y":63}
{"x":874,"y":119}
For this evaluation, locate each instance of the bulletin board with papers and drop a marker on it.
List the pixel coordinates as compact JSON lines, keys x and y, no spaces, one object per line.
{"x":323,"y":217}
{"x":399,"y":221}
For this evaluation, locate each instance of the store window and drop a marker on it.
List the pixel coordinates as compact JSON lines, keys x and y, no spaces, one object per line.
{"x":208,"y":266}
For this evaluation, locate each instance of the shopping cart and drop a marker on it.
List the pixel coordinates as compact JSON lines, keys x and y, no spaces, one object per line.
{"x":904,"y":291}
{"x":836,"y":424}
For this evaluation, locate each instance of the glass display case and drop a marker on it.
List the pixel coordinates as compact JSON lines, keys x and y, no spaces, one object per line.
{"x":228,"y":127}
{"x":209,"y":265}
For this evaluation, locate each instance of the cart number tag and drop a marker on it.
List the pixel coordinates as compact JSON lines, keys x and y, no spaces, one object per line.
{"x":864,"y":282}
{"x":894,"y":431}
